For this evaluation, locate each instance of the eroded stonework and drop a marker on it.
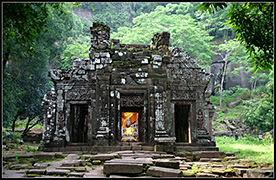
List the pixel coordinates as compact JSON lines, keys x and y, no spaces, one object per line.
{"x":167,"y":89}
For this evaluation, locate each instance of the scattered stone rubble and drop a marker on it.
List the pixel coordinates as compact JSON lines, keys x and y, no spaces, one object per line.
{"x":132,"y":164}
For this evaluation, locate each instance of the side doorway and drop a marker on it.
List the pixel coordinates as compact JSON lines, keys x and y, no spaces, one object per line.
{"x":182,"y":123}
{"x":78,"y":125}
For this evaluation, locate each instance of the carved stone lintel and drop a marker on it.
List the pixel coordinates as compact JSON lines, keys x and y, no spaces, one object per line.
{"x":132,"y":100}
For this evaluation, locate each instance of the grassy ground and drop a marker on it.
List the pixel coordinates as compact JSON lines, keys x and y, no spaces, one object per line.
{"x":248,"y":147}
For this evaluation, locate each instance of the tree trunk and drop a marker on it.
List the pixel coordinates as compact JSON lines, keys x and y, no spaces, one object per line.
{"x":27,"y":128}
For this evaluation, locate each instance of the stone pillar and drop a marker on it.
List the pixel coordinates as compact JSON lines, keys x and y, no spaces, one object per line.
{"x":102,"y":135}
{"x":59,"y":139}
{"x":49,"y":110}
{"x":162,"y":139}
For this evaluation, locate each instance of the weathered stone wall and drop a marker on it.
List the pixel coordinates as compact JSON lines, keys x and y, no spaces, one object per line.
{"x":149,"y":79}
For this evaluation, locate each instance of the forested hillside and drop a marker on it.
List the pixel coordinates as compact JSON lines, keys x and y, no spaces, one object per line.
{"x":65,"y":35}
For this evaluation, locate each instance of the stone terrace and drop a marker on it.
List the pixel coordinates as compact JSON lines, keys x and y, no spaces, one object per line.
{"x":132,"y":163}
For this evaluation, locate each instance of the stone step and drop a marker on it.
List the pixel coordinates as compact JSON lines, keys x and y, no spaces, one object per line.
{"x":36,"y":171}
{"x":206,"y":175}
{"x":179,"y":147}
{"x":57,"y":172}
{"x":163,"y":172}
{"x":259,"y":173}
{"x":209,"y":154}
{"x":122,"y":168}
{"x":75,"y":174}
{"x":166,"y":163}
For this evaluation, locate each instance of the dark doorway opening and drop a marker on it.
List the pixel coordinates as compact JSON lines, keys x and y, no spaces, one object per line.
{"x":78,"y":123}
{"x":182,"y":128}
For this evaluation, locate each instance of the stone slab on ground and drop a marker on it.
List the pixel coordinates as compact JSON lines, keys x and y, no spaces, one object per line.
{"x":237,"y":166}
{"x":230,"y":158}
{"x":102,"y":157}
{"x":188,"y":173}
{"x":185,"y":166}
{"x":14,"y":174}
{"x":143,"y":161}
{"x":215,"y":160}
{"x":72,"y":157}
{"x":122,"y":168}
{"x":204,"y":159}
{"x":209,"y":154}
{"x":18,"y":166}
{"x":44,"y":156}
{"x":259,"y":173}
{"x":75,"y":174}
{"x":70,"y":163}
{"x":36,"y":171}
{"x":240,"y":171}
{"x":166,"y":163}
{"x":206,"y":175}
{"x":218,"y":170}
{"x":163,"y":172}
{"x":57,"y":172}
{"x":41,"y":165}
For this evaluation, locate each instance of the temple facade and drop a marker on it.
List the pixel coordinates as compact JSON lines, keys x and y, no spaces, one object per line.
{"x":125,"y":94}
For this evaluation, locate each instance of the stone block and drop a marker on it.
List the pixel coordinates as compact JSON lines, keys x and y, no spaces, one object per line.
{"x":231,"y":158}
{"x":210,"y":154}
{"x":75,"y":174}
{"x":57,"y":172}
{"x":124,"y":148}
{"x":18,"y":166}
{"x":70,"y":163}
{"x":206,"y":175}
{"x":163,"y":172}
{"x":36,"y":171}
{"x":237,"y":166}
{"x":215,"y":160}
{"x":188,"y":173}
{"x":41,"y":165}
{"x":80,"y":169}
{"x":204,"y":159}
{"x":148,"y":148}
{"x":218,"y":170}
{"x":167,"y":163}
{"x":102,"y":157}
{"x":122,"y":168}
{"x":259,"y":173}
{"x":240,"y":171}
{"x":185,"y":166}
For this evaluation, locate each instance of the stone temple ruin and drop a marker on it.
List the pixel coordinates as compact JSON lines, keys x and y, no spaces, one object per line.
{"x":126,"y":95}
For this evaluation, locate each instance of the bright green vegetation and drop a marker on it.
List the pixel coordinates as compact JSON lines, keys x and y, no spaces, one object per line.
{"x":248,"y":147}
{"x":40,"y":36}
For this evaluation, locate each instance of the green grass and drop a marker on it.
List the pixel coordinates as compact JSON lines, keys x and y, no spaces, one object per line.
{"x":21,"y":124}
{"x":248,"y":147}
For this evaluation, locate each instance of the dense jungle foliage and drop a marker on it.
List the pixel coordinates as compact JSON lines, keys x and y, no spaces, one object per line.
{"x":40,"y":36}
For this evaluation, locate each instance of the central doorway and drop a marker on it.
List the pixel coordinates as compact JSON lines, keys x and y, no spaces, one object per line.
{"x":129,"y":127}
{"x":182,"y":123}
{"x":78,"y":123}
{"x":131,"y":124}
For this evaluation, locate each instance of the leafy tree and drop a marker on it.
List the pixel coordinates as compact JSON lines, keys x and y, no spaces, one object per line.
{"x":76,"y":48}
{"x":215,"y":25}
{"x":259,"y":110}
{"x":253,"y":24}
{"x":118,"y":14}
{"x":184,"y":31}
{"x":25,"y":77}
{"x":22,"y":22}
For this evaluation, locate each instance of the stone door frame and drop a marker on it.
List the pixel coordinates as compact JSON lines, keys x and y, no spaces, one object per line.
{"x":68,"y":118}
{"x":191,"y":120}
